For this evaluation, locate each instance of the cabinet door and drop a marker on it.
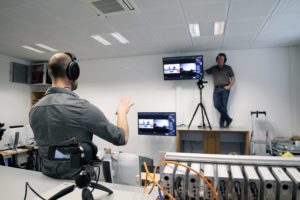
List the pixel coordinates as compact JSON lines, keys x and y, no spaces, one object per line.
{"x":211,"y":144}
{"x":18,"y":73}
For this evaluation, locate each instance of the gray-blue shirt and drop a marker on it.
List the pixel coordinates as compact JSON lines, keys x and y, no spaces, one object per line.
{"x":221,"y":76}
{"x":60,"y":116}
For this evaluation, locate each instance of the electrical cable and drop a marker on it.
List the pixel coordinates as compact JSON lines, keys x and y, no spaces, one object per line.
{"x":154,"y":172}
{"x":176,"y":187}
{"x":37,"y":194}
{"x":176,"y":163}
{"x":98,"y":176}
{"x":156,"y":183}
{"x":159,"y":193}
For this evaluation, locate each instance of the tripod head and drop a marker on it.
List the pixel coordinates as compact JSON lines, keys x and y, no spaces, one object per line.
{"x":201,"y":83}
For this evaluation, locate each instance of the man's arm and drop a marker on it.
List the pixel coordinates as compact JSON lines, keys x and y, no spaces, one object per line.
{"x":231,"y":82}
{"x":208,"y":71}
{"x":123,"y":109}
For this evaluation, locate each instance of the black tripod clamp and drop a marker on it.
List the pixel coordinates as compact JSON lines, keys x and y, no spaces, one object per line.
{"x":200,"y":83}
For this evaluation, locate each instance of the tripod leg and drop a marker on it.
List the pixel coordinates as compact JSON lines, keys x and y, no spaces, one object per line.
{"x":202,"y":114}
{"x":86,"y":194}
{"x":101,"y":187}
{"x":203,"y":108}
{"x":63,"y":192}
{"x":193,"y":116}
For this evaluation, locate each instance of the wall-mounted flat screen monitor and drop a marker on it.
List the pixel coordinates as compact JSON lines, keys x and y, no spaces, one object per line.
{"x":183,"y":67}
{"x":157,"y":123}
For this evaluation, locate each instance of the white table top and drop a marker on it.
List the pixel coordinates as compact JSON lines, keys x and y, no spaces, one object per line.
{"x":12,"y":186}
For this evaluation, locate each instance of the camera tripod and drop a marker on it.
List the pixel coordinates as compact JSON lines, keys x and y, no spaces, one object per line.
{"x":200,"y":85}
{"x":83,"y":181}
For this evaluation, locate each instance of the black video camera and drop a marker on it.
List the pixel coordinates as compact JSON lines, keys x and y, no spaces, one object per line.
{"x":79,"y":154}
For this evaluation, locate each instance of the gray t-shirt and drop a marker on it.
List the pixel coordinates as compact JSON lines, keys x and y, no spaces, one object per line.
{"x":221,"y":75}
{"x":60,"y":116}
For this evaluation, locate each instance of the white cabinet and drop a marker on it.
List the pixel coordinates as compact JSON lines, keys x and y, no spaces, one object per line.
{"x":34,"y":74}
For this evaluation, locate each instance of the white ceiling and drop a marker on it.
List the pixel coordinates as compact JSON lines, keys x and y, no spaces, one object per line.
{"x":156,"y":26}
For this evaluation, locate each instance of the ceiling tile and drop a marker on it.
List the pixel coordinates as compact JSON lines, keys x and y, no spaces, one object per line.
{"x":246,"y":26}
{"x":139,"y":36}
{"x":172,"y":32}
{"x":244,"y":9}
{"x":288,"y":7}
{"x":150,"y":5}
{"x":279,"y":24}
{"x":164,"y":18}
{"x":171,"y":46}
{"x":127,"y":22}
{"x":206,"y":12}
{"x":239,"y":41}
{"x":208,"y":43}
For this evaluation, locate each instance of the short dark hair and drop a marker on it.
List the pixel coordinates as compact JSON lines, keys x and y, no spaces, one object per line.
{"x":57,"y":67}
{"x":222,"y":54}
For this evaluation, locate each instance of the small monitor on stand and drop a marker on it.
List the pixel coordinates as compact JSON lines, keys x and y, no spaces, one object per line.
{"x":106,"y":166}
{"x":16,"y":141}
{"x":157,"y":123}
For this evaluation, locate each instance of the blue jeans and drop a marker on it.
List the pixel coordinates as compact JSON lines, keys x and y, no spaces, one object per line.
{"x":220,"y":102}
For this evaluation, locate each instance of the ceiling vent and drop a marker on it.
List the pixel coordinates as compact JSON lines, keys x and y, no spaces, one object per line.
{"x":106,"y":8}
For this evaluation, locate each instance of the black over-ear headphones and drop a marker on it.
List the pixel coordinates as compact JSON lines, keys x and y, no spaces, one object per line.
{"x":73,"y":69}
{"x":222,"y":54}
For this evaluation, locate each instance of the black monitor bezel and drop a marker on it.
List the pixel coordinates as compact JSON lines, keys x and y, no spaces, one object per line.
{"x":157,"y":113}
{"x":181,"y":58}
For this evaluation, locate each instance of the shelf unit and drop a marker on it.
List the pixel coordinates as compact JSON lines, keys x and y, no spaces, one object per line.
{"x":39,"y":81}
{"x":36,"y":95}
{"x":35,"y":75}
{"x":38,"y":74}
{"x":215,"y":141}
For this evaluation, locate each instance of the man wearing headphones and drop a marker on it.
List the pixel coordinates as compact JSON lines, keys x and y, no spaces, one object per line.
{"x":223,"y":77}
{"x":61,"y":117}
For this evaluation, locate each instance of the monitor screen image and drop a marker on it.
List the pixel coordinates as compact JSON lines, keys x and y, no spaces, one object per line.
{"x":172,"y":69}
{"x":183,"y":67}
{"x":157,"y":123}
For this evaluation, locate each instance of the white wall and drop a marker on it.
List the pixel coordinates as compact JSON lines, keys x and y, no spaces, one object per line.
{"x":266,"y":79}
{"x":104,"y":82}
{"x":262,"y":83}
{"x":14,"y":97}
{"x":294,"y":55}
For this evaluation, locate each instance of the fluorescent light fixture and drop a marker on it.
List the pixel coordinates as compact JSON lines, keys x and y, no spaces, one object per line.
{"x":101,"y":40}
{"x":120,"y":38}
{"x":32,"y":49}
{"x":219,"y":28}
{"x":45,"y":47}
{"x":194,"y":30}
{"x":128,"y":4}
